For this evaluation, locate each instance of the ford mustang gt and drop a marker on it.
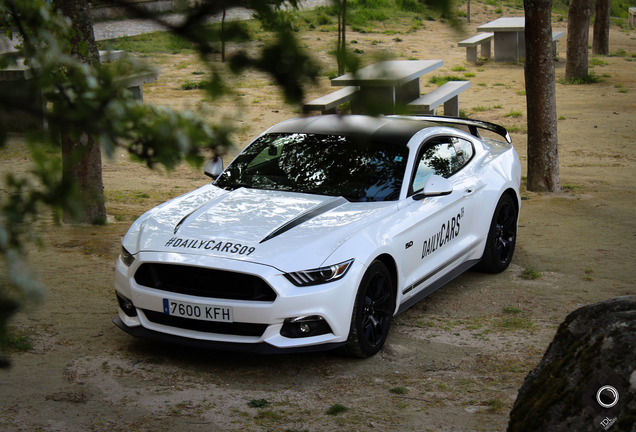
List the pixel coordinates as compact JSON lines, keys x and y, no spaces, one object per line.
{"x":319,"y":232}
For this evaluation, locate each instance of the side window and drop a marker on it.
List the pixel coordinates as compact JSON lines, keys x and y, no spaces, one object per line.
{"x":443,"y":156}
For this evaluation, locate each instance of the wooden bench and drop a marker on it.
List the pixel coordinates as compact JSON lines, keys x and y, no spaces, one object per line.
{"x":482,"y":39}
{"x":328,"y":104}
{"x":555,"y":38}
{"x":447,"y":94}
{"x":29,"y":105}
{"x":134,"y":82}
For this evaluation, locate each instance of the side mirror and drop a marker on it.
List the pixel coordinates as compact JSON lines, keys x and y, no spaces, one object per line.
{"x":435,"y":186}
{"x":213,"y":168}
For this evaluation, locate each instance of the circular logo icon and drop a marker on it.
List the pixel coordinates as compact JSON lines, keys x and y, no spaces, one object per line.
{"x":607,"y":396}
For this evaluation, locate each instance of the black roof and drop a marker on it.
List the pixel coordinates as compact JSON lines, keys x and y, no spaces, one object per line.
{"x":394,"y":130}
{"x":384,"y":129}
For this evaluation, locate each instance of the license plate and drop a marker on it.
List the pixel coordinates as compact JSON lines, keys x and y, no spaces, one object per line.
{"x":197,"y":311}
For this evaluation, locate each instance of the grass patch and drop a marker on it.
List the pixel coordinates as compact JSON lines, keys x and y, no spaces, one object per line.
{"x":494,"y":405}
{"x":400,"y":390}
{"x":336,"y":409}
{"x":619,"y":53}
{"x":515,"y":323}
{"x":620,"y":88}
{"x":514,"y":114}
{"x":530,"y":273}
{"x":258,"y":403}
{"x":480,"y":109}
{"x":516,"y":129}
{"x":590,"y":78}
{"x":570,"y":188}
{"x":150,"y":43}
{"x":512,"y":310}
{"x":440,"y":80}
{"x":18,"y":341}
{"x":595,"y":61}
{"x":195,"y":85}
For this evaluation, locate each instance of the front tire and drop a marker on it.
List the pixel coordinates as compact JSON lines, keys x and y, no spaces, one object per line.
{"x":502,"y":237}
{"x":372,"y":312}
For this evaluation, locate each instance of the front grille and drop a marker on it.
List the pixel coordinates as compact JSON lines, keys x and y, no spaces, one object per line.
{"x":237,"y":329}
{"x":204,"y":282}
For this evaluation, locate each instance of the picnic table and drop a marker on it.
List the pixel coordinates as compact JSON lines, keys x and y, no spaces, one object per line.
{"x":30,"y":104}
{"x":391,"y":87}
{"x":394,"y":82}
{"x":509,"y":38}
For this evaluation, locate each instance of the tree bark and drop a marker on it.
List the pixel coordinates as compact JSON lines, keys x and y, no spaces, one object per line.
{"x":600,"y":43}
{"x":342,"y":36}
{"x":81,"y":154}
{"x":576,"y":64}
{"x":543,"y":151}
{"x":223,"y":35}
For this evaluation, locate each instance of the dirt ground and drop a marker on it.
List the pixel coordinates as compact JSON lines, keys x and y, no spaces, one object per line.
{"x":453,"y":362}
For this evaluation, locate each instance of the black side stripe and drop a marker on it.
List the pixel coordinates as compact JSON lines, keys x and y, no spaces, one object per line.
{"x":304,"y":217}
{"x":441,"y":267}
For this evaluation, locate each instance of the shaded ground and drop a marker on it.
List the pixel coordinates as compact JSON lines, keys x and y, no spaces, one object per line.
{"x":453,"y":362}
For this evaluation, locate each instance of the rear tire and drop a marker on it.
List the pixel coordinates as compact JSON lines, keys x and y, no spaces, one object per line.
{"x":502,"y":237}
{"x":372,"y":312}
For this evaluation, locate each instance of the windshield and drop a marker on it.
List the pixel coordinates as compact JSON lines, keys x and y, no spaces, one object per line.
{"x":356,"y":169}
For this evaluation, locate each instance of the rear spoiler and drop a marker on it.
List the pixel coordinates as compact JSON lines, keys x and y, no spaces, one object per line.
{"x":473,"y":125}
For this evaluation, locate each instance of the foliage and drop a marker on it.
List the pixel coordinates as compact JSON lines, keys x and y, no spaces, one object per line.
{"x":619,"y":8}
{"x":96,"y":100}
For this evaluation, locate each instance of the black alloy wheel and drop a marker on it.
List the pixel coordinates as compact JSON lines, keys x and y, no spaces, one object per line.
{"x":502,"y":237}
{"x":372,"y":312}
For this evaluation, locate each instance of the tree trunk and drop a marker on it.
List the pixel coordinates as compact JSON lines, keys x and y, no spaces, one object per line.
{"x":468,"y":11}
{"x":578,"y":36}
{"x":223,"y":36}
{"x":342,"y":36}
{"x":543,"y":149}
{"x":600,"y":44}
{"x":81,"y":154}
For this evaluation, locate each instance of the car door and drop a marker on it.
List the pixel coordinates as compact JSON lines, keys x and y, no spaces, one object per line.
{"x":437,"y":231}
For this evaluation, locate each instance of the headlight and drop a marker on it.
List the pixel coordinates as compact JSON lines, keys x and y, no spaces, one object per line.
{"x":320,"y":275}
{"x":126,"y":257}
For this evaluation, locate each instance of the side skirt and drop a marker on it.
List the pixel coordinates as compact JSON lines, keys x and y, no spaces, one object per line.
{"x":436,"y":285}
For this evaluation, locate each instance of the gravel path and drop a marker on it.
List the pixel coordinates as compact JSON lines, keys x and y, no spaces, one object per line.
{"x":132,"y":27}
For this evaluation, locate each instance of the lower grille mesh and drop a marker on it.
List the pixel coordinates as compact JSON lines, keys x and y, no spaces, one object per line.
{"x":204,"y":282}
{"x":237,"y":329}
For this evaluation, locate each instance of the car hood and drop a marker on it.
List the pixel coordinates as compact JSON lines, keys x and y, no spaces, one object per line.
{"x":286,"y":230}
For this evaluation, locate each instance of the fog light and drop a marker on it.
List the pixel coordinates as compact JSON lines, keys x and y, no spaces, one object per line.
{"x":126,"y":305}
{"x":305,"y":326}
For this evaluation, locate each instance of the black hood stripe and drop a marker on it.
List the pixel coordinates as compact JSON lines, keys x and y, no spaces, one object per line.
{"x":304,"y":217}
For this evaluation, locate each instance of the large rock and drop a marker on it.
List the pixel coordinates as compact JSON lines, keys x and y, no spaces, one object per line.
{"x":586,"y":380}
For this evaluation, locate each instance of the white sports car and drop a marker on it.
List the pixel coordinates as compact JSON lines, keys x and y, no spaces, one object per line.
{"x":319,"y":232}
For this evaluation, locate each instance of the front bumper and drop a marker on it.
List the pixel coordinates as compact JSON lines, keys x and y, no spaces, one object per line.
{"x":256,"y":348}
{"x":332,"y":302}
